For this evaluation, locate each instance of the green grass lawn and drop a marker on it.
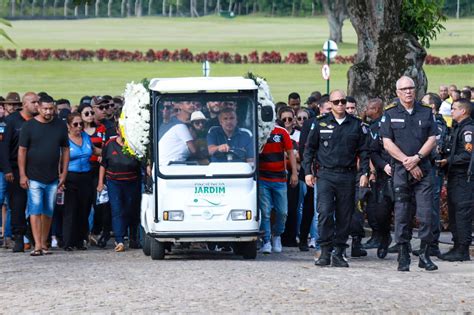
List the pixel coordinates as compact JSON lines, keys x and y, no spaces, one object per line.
{"x":242,"y":34}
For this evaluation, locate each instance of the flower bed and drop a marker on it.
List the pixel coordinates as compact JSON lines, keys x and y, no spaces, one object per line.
{"x":185,"y":55}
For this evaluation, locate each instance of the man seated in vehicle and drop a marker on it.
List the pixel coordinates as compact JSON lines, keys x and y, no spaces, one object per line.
{"x":227,"y":142}
{"x":176,"y":143}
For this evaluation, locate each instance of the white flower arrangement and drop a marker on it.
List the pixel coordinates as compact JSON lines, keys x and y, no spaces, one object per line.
{"x":135,"y":120}
{"x":265,"y":128}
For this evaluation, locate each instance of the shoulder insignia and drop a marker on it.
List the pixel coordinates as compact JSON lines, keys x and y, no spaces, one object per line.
{"x":321,"y":116}
{"x":389,"y":106}
{"x":323,"y":124}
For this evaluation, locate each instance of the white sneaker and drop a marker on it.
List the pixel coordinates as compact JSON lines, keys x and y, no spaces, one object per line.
{"x":276,"y":244}
{"x":312,"y":243}
{"x":266,"y":248}
{"x":54,"y":242}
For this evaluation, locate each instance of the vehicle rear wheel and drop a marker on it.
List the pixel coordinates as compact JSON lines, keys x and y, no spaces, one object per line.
{"x":157,"y":249}
{"x":248,"y":250}
{"x":146,"y":243}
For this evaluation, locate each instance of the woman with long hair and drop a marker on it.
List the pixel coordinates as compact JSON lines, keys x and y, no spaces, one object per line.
{"x":101,"y":227}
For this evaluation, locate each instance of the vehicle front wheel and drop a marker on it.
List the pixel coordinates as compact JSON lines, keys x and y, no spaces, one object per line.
{"x":248,"y":250}
{"x":157,"y":249}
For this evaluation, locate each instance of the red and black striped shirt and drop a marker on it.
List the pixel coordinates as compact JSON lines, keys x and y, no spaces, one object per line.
{"x":272,"y":159}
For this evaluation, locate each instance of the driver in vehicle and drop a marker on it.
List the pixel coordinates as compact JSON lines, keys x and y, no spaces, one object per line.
{"x":227,"y":142}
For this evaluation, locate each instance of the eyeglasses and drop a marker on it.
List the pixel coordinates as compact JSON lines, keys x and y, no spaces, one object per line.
{"x":103,"y":107}
{"x":342,"y":101}
{"x":78,"y":124}
{"x":287,"y":119}
{"x":302,"y":118}
{"x":407,"y":89}
{"x":87,"y":114}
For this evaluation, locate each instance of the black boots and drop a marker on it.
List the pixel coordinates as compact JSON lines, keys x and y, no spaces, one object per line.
{"x":425,"y":261}
{"x":325,"y":258}
{"x":382,"y":250}
{"x":337,"y":258}
{"x":403,"y":257}
{"x":457,"y":253}
{"x":19,"y":244}
{"x":103,"y":239}
{"x":356,"y":248}
{"x":373,"y":242}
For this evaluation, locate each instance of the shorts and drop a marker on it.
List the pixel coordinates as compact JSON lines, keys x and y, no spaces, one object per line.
{"x":41,"y":198}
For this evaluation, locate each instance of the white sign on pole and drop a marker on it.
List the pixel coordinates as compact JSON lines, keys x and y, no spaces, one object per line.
{"x":325,"y":71}
{"x":332,"y":49}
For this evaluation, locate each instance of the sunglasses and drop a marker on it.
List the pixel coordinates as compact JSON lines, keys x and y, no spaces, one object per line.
{"x":302,"y":118}
{"x":103,"y":107}
{"x":87,"y":114}
{"x":342,"y":101}
{"x":78,"y":124}
{"x":287,"y":119}
{"x":198,"y":122}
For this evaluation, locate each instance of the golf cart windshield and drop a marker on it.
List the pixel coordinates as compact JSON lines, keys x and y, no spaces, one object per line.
{"x":206,"y":134}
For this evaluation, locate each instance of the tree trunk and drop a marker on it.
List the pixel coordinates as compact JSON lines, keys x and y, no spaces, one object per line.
{"x":385,"y":52}
{"x":109,"y":8}
{"x":43,"y":8}
{"x":150,"y":3}
{"x":205,"y":7}
{"x":312,"y":9}
{"x":129,"y":8}
{"x":13,"y":8}
{"x":97,"y":3}
{"x":86,"y":9}
{"x":55,"y":5}
{"x":22,"y":7}
{"x":170,"y":11}
{"x":33,"y":5}
{"x":163,"y":9}
{"x":230,"y":5}
{"x":336,"y":12}
{"x":254,"y":9}
{"x":178,"y":7}
{"x":76,"y":10}
{"x":273,"y":8}
{"x":66,"y":3}
{"x":457,"y":9}
{"x":293,"y":8}
{"x":122,"y":8}
{"x":138,"y":8}
{"x":218,"y":6}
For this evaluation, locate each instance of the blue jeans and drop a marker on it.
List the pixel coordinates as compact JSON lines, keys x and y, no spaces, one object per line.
{"x":314,"y":225}
{"x":272,"y":193}
{"x":124,"y":198}
{"x":299,"y":210}
{"x":41,"y":198}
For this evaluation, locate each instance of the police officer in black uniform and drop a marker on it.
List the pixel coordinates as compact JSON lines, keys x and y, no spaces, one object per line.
{"x":460,"y":182}
{"x":409,"y":133}
{"x":334,"y":143}
{"x":380,"y":203}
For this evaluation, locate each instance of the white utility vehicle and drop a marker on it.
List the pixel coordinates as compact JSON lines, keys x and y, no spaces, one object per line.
{"x":197,"y":196}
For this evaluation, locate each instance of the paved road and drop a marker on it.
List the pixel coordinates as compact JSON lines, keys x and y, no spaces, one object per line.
{"x":200,"y":282}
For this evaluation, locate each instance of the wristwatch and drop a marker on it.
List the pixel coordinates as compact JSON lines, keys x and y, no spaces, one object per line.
{"x":420,"y":156}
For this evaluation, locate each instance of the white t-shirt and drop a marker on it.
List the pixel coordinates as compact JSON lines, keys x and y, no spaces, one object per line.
{"x":445,"y":109}
{"x":340,"y":120}
{"x":172,"y":145}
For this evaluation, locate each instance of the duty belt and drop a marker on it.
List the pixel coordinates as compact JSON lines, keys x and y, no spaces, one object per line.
{"x":338,"y":169}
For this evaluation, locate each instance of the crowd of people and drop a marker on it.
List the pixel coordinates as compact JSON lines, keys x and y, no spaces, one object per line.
{"x":329,"y":166}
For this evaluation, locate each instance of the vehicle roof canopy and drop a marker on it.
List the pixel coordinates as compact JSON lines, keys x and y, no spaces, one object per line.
{"x":198,"y":84}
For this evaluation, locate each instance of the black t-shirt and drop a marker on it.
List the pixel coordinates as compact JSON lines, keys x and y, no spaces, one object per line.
{"x":9,"y":145}
{"x":119,"y":166}
{"x":43,"y":142}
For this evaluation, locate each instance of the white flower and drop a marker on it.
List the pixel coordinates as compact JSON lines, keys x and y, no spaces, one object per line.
{"x":264,"y":99}
{"x":136,"y":118}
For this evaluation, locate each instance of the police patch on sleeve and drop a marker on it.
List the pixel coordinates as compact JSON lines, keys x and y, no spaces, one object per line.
{"x":468,"y":136}
{"x":364,"y":129}
{"x":383,"y":118}
{"x":312,"y":126}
